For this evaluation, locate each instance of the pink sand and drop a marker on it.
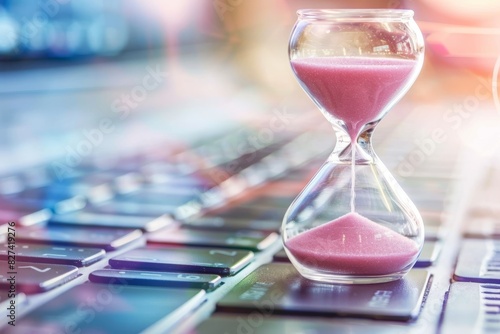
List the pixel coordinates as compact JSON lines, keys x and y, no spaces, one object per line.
{"x":354,"y":90}
{"x":353,"y":244}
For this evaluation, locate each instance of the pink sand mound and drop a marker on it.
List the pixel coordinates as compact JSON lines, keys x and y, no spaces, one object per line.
{"x":353,"y":244}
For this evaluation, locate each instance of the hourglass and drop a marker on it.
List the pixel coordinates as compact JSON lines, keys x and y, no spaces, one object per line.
{"x":353,"y":223}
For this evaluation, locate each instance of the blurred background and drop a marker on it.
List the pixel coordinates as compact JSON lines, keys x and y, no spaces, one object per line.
{"x":176,"y":70}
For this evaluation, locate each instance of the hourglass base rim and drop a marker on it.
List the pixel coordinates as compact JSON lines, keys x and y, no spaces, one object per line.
{"x":348,"y":279}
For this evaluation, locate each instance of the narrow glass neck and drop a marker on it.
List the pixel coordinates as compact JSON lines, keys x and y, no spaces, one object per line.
{"x":364,"y":153}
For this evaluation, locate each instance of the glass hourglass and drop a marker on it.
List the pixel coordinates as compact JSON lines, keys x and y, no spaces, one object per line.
{"x":353,"y":223}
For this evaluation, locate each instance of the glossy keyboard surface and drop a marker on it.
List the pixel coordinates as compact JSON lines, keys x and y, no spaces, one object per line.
{"x":189,"y":242}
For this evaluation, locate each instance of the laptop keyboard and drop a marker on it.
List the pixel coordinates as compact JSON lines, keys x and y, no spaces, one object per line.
{"x":188,"y":242}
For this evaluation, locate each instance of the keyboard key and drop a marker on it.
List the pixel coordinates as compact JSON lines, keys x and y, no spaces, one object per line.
{"x":133,"y":208}
{"x":76,"y":256}
{"x":105,"y":238}
{"x":251,"y":240}
{"x":127,"y":183}
{"x":232,"y":224}
{"x":100,"y":185}
{"x":25,"y":215}
{"x":87,"y":218}
{"x":472,"y":308}
{"x":250,"y":161}
{"x":433,"y":233}
{"x":281,"y":256}
{"x":107,"y":308}
{"x":37,"y":176}
{"x":94,"y":191}
{"x":148,"y":196}
{"x":147,"y":204}
{"x":478,"y":261}
{"x":270,"y":202}
{"x":280,"y":289}
{"x":159,"y":177}
{"x":265,"y":323}
{"x":429,"y":254}
{"x":11,"y":184}
{"x":59,"y":202}
{"x":156,"y":278}
{"x":249,"y":213}
{"x":195,"y":260}
{"x":433,"y":223}
{"x":487,"y":226}
{"x":36,"y":277}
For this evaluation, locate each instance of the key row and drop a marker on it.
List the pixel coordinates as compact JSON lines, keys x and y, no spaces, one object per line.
{"x":270,"y":291}
{"x":94,"y":192}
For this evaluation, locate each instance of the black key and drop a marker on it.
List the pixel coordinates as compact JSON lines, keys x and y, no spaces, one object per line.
{"x":155,"y":191}
{"x":76,"y":256}
{"x":487,"y":226}
{"x":95,"y":192}
{"x":59,"y":202}
{"x":195,"y":260}
{"x":278,"y":286}
{"x":472,"y":308}
{"x":249,"y":213}
{"x":88,"y":218}
{"x":11,"y":184}
{"x":100,"y":185}
{"x":251,"y":240}
{"x":127,"y":183}
{"x":108,"y":308}
{"x":139,"y":203}
{"x":38,"y":176}
{"x":249,"y":160}
{"x":133,"y":208}
{"x":478,"y":261}
{"x":433,"y":233}
{"x":154,"y":197}
{"x":156,"y":278}
{"x":103,"y":182}
{"x":281,"y":256}
{"x":434,"y":229}
{"x":35,"y":277}
{"x":429,"y":254}
{"x":47,"y":192}
{"x":265,"y":323}
{"x":105,"y":238}
{"x":23,"y":214}
{"x":232,"y":224}
{"x":175,"y":179}
{"x":270,"y":202}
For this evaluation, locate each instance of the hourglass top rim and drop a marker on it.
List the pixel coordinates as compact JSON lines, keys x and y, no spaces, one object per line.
{"x":372,"y":14}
